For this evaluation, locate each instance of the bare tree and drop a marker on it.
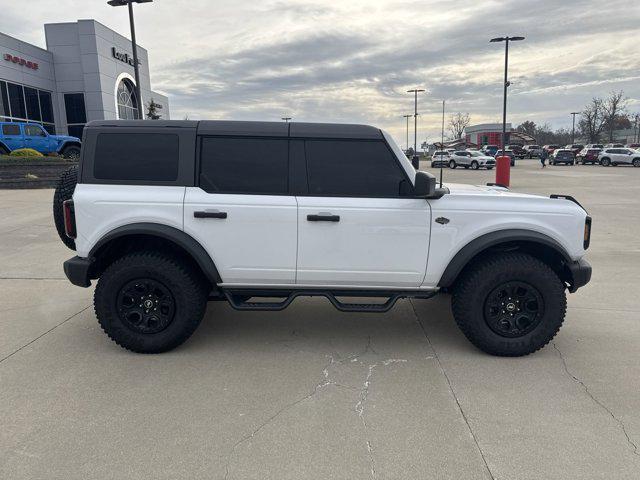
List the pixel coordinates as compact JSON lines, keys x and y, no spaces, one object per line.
{"x":457,"y":123}
{"x":613,"y":108}
{"x":593,"y":120}
{"x":528,"y":127}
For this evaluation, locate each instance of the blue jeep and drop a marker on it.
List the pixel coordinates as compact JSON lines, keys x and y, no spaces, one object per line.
{"x":31,"y":135}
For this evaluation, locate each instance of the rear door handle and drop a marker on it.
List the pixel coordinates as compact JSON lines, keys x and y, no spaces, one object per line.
{"x":201,"y":214}
{"x":323,"y":217}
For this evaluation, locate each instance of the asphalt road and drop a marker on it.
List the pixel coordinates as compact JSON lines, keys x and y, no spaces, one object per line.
{"x":314,"y":393}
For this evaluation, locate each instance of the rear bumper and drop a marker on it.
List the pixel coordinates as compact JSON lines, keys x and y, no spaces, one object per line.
{"x":77,"y":271}
{"x":580,"y":273}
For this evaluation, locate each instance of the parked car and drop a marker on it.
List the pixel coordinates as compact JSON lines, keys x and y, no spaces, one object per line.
{"x":588,"y":155}
{"x":518,"y":150}
{"x":489,"y":150}
{"x":324,"y":210}
{"x":634,"y":146}
{"x":575,"y":148}
{"x":14,"y":135}
{"x":614,"y":145}
{"x":440,"y":158}
{"x":619,"y":156}
{"x":483,"y":160}
{"x":532,"y":151}
{"x":473,"y":160}
{"x":599,"y":146}
{"x":550,"y":149}
{"x":507,"y":153}
{"x":562,"y":155}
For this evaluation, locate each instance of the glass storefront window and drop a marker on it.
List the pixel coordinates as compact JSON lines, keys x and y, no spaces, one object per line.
{"x":127,"y":100}
{"x":19,"y":103}
{"x":74,"y":107}
{"x":33,"y":104}
{"x":16,"y":100}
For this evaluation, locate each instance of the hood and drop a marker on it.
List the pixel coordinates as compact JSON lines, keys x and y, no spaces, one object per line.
{"x":484,"y":190}
{"x":64,"y":138}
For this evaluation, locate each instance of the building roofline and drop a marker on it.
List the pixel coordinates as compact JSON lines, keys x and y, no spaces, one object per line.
{"x":23,"y":41}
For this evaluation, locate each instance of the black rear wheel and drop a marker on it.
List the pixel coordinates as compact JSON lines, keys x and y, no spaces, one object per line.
{"x":509,"y":304}
{"x":71,"y":152}
{"x":150,"y":302}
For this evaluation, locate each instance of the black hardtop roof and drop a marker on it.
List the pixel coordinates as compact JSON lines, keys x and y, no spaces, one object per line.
{"x":258,"y":129}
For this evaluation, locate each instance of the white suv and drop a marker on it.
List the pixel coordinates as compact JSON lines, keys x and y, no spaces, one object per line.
{"x":168,"y":215}
{"x":619,"y":156}
{"x":471,"y":159}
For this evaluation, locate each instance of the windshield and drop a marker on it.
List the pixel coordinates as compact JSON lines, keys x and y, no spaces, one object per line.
{"x":476,"y":154}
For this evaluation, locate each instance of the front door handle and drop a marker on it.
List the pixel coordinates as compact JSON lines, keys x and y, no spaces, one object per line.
{"x":201,"y":214}
{"x":323,"y":217}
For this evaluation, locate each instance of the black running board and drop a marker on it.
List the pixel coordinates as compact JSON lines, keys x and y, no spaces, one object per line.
{"x":239,"y":298}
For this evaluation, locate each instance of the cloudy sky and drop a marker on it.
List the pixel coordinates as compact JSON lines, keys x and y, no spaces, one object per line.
{"x":353,"y":60}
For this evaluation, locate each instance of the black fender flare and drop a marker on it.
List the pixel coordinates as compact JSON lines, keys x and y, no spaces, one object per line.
{"x":2,"y":145}
{"x":69,"y":143}
{"x":180,"y":238}
{"x":488,"y":240}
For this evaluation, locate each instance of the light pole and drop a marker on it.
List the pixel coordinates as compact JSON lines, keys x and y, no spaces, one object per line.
{"x":407,"y":117}
{"x":129,"y":3}
{"x":415,"y":122}
{"x":573,"y":127}
{"x":286,"y":119}
{"x":506,"y":84}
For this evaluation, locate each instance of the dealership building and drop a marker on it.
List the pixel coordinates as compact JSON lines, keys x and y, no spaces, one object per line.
{"x":85,"y":73}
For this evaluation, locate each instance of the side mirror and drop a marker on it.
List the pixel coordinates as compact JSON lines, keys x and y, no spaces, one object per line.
{"x":425,"y":186}
{"x":415,"y":161}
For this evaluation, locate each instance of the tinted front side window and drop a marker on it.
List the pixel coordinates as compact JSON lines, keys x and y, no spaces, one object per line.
{"x":136,"y":156}
{"x":33,"y":131}
{"x":245,"y":165}
{"x":353,"y":168}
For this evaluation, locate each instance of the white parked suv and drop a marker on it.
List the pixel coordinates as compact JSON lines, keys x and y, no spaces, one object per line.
{"x":619,"y":156}
{"x":168,"y":215}
{"x":471,"y":159}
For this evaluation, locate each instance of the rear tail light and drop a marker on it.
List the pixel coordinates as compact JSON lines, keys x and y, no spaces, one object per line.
{"x":587,"y":232}
{"x":69,"y":218}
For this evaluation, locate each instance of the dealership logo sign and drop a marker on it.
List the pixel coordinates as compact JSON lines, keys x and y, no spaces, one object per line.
{"x":21,"y":61}
{"x":122,"y":56}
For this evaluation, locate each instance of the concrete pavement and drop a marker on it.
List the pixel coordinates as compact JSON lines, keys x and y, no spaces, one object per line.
{"x":314,"y":393}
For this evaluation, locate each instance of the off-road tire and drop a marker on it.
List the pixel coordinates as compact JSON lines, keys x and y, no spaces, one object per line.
{"x":187,"y":288}
{"x":64,"y":191}
{"x":71,"y":152}
{"x":477,"y":283}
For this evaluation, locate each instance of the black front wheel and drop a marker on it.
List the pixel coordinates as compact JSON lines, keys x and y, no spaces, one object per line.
{"x":149,"y":302}
{"x":509,"y":304}
{"x":72,"y":153}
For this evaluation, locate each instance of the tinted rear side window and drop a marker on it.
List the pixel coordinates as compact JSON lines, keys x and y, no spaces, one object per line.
{"x":10,"y":129}
{"x":136,"y":156}
{"x":353,"y":168}
{"x":245,"y":165}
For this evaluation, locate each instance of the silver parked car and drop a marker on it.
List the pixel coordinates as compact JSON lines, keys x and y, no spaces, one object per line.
{"x":619,"y":156}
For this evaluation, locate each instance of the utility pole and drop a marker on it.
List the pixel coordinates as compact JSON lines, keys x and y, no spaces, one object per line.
{"x":506,"y":84}
{"x":415,"y":122}
{"x":286,"y":119}
{"x":407,"y":117}
{"x":573,"y":127}
{"x":442,"y":142}
{"x":134,"y":48}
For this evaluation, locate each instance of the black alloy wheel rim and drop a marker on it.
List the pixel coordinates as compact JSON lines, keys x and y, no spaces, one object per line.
{"x":145,"y":306}
{"x":513,"y":309}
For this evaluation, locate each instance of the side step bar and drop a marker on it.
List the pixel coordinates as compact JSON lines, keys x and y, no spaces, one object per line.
{"x":239,"y":298}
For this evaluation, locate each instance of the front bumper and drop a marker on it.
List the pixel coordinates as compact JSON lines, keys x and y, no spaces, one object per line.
{"x":580,"y":273}
{"x":77,"y":271}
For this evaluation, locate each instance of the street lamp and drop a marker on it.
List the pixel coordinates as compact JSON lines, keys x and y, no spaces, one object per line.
{"x":286,"y":119}
{"x":415,"y":125}
{"x":407,"y":117}
{"x":573,"y":127}
{"x":129,"y":3}
{"x":506,"y":84}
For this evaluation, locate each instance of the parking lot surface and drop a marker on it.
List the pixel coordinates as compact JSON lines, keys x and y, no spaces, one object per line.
{"x":314,"y":393}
